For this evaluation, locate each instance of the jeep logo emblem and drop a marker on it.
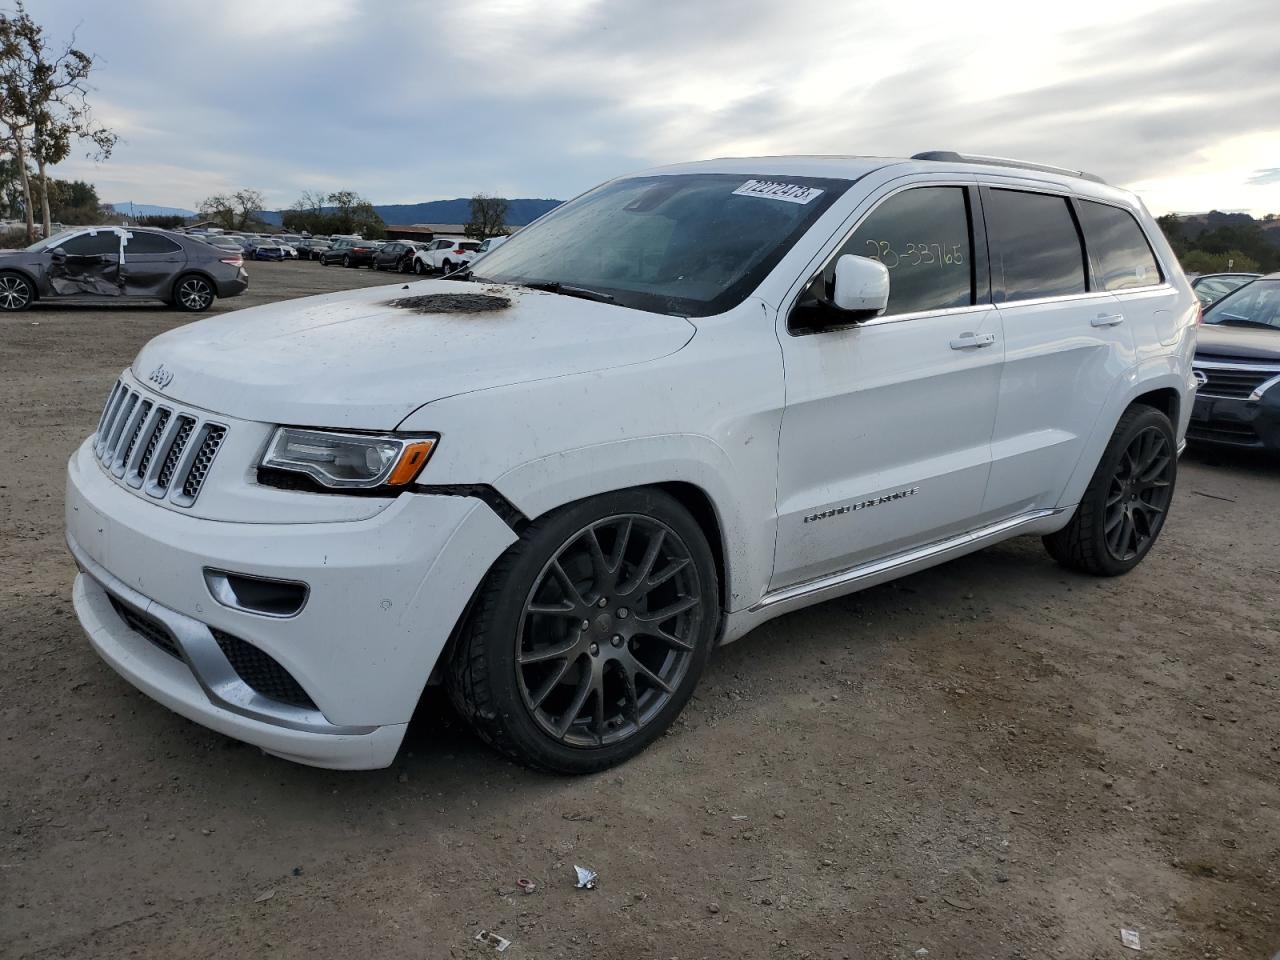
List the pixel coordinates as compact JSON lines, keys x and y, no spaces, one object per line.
{"x":160,"y":376}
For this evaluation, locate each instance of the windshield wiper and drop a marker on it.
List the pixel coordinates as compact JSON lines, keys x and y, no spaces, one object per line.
{"x":583,"y":293}
{"x":1231,"y":320}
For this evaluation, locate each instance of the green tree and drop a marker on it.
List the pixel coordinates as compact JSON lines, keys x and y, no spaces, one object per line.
{"x":1171,"y":226}
{"x":45,"y":91}
{"x":1201,"y":261}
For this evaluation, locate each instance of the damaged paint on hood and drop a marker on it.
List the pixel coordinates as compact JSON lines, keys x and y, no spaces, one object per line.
{"x":353,"y":360}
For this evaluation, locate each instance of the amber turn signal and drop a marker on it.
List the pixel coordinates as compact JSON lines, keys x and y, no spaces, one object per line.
{"x":412,"y":459}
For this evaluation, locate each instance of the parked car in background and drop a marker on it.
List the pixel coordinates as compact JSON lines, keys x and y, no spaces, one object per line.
{"x":1210,"y":287}
{"x":395,"y":255}
{"x":312,"y":247}
{"x":223,"y":242}
{"x":492,"y":243}
{"x":445,"y":254}
{"x":265,"y":250}
{"x":1237,"y":367}
{"x":290,"y":251}
{"x":349,"y":253}
{"x":114,"y":263}
{"x":712,"y":394}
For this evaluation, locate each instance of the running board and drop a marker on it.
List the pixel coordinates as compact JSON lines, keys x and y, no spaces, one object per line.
{"x":878,"y":570}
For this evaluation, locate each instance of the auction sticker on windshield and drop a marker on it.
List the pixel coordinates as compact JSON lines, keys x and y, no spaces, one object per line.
{"x":772,"y":190}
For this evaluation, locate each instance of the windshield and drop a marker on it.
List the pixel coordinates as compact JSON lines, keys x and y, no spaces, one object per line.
{"x":1256,"y":304}
{"x":689,"y":244}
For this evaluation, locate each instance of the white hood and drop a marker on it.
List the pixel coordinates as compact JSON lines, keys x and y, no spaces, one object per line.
{"x":350,"y":360}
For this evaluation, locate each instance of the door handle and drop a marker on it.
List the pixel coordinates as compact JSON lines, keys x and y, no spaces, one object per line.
{"x":1107,"y":319}
{"x":968,"y":341}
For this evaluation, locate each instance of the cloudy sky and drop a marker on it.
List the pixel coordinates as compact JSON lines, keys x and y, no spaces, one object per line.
{"x":406,"y":101}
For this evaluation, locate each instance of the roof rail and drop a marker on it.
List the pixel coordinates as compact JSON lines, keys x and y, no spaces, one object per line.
{"x":950,"y":156}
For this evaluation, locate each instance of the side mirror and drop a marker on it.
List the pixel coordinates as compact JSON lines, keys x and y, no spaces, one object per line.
{"x":861,"y":286}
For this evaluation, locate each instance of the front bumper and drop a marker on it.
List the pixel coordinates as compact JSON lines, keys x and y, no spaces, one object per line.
{"x":385,"y":594}
{"x":1250,"y":424}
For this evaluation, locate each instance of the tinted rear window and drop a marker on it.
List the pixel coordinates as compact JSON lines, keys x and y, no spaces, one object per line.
{"x":1035,"y":244}
{"x":1120,"y":253}
{"x":149,"y":243}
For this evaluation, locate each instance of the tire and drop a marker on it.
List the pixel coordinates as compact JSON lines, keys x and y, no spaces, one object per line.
{"x":346,"y":260}
{"x":1125,"y":506}
{"x":553,"y":668}
{"x":446,"y":268}
{"x":16,"y":292}
{"x":193,"y":293}
{"x":419,"y":268}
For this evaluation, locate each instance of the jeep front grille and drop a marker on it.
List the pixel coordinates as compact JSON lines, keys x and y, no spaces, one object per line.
{"x":161,"y":450}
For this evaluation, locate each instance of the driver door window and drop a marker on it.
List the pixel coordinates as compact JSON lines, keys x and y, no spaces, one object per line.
{"x":923,"y":236}
{"x":90,"y":265}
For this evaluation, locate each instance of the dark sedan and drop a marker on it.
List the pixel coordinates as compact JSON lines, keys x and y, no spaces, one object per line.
{"x":265,"y":250}
{"x":1210,"y":287}
{"x":311,"y":248}
{"x":349,"y":253}
{"x":396,"y":255}
{"x":1237,"y":367}
{"x":118,"y":263}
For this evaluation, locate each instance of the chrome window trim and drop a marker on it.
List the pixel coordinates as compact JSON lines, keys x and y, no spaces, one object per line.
{"x":208,"y":664}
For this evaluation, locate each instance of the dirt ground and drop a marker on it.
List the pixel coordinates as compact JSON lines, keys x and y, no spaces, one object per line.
{"x":994,"y":758}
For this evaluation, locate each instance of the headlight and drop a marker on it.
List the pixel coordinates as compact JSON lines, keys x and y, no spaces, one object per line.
{"x":349,"y":460}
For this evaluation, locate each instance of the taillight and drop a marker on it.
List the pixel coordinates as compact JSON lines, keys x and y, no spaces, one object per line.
{"x":234,"y":261}
{"x":459,"y":251}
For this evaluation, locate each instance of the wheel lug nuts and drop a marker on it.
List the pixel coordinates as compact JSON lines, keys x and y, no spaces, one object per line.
{"x":586,"y":624}
{"x":617,"y":640}
{"x":595,"y":649}
{"x":622,"y":613}
{"x":602,"y":602}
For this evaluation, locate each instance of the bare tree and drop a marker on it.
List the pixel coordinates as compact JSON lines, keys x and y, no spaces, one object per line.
{"x":221,"y":209}
{"x":248,"y":204}
{"x":488,"y":217}
{"x":46,"y":101}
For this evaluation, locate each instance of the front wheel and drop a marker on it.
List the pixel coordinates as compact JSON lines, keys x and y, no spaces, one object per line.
{"x":16,"y":292}
{"x":193,"y":294}
{"x":590,"y":633}
{"x":1127,"y":501}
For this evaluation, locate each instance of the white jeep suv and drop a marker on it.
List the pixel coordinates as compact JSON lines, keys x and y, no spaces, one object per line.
{"x":680,"y":405}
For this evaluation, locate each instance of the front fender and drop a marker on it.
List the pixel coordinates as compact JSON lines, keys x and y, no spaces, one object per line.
{"x":540,"y":485}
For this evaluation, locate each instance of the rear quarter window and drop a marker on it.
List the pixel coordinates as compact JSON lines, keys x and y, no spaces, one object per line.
{"x":141,"y":243}
{"x":1118,"y":248}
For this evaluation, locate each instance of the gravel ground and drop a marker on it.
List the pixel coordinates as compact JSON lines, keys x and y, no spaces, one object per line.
{"x":994,"y":758}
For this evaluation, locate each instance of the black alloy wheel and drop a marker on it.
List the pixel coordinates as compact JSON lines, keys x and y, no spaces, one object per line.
{"x":1139,"y":494}
{"x":590,"y":633}
{"x":609,"y":630}
{"x":1127,"y":502}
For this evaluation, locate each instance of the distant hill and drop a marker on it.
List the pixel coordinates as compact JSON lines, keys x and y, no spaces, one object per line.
{"x":519,"y":212}
{"x":1196,"y":224}
{"x":130,"y":209}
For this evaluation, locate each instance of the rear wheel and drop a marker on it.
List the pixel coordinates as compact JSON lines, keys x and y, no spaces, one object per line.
{"x":590,"y":633}
{"x":1127,"y":501}
{"x":16,"y":292}
{"x":192,"y":294}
